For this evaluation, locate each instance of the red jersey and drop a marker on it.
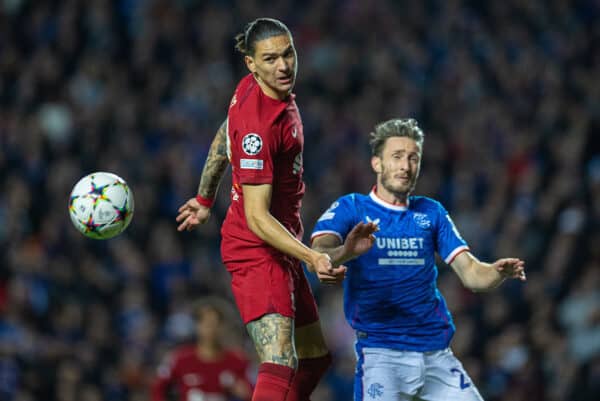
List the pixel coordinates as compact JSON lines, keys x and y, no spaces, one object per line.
{"x":265,"y":143}
{"x":195,"y":379}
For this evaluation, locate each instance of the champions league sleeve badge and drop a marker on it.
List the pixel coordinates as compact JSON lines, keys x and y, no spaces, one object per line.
{"x":252,"y":144}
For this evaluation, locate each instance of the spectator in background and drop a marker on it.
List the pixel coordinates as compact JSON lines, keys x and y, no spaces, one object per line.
{"x":207,"y":369}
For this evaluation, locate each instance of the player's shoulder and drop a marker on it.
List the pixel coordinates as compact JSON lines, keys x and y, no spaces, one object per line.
{"x":244,"y":92}
{"x":425,"y":204}
{"x":350,"y":199}
{"x":258,"y":111}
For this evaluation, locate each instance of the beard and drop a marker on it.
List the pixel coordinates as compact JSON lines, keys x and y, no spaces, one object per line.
{"x":399,"y":189}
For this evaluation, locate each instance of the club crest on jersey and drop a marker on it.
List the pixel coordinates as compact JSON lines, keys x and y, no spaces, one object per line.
{"x":422,"y":220}
{"x":252,"y":144}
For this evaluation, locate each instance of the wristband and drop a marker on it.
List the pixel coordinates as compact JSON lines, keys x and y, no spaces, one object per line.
{"x":206,"y":202}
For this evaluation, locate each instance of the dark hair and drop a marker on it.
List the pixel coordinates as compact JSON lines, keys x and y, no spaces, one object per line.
{"x":403,"y":127}
{"x":257,"y":30}
{"x":214,"y":303}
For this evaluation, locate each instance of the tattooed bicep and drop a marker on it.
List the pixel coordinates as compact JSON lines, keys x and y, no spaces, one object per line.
{"x":222,"y":132}
{"x":223,"y":147}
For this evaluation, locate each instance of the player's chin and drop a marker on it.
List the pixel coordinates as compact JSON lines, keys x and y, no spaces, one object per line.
{"x":285,"y":85}
{"x":401,"y":187}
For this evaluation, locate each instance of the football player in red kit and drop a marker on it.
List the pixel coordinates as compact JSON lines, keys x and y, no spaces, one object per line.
{"x":205,"y":370}
{"x":261,"y":246}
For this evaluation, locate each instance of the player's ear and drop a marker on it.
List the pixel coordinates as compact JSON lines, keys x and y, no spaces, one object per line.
{"x":376,"y":164}
{"x":250,"y":64}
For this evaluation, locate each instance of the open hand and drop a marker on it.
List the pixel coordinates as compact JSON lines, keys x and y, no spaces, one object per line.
{"x":511,"y":268}
{"x":191,"y":215}
{"x":360,"y":239}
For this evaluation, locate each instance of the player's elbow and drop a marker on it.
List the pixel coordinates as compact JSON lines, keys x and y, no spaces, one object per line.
{"x":469,"y":280}
{"x":251,"y":220}
{"x":255,"y":222}
{"x":476,"y":288}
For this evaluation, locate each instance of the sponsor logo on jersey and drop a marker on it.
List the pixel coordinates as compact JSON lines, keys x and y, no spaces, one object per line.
{"x":399,"y":243}
{"x":252,"y":144}
{"x":251,"y":164}
{"x":400,"y":251}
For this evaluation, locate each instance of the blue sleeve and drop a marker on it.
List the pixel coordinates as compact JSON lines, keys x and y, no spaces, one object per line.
{"x":449,"y":241}
{"x":338,"y":220}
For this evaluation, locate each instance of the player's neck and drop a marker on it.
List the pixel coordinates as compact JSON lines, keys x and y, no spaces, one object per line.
{"x":390,"y":197}
{"x":209,"y":350}
{"x":270,"y":92}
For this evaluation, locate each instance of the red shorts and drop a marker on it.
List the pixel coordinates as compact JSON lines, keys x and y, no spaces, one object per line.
{"x":273,"y":285}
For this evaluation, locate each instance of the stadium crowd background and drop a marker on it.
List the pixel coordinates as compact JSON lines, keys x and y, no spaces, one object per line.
{"x":508,"y":93}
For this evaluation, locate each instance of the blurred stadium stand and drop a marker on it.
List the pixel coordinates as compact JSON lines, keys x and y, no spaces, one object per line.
{"x":508,"y":93}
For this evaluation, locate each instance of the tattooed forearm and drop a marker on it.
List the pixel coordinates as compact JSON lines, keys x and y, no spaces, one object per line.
{"x":273,"y":337}
{"x":216,"y":164}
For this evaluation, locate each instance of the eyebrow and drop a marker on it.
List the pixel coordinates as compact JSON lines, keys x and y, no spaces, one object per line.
{"x":409,"y":152}
{"x":270,"y":54}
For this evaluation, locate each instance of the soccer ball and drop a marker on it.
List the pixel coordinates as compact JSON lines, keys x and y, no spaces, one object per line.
{"x":101,"y":205}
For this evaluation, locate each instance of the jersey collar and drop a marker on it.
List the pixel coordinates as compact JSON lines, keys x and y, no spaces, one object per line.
{"x":385,"y":204}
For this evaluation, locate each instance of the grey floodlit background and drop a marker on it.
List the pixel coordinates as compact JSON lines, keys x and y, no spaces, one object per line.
{"x":507,"y":92}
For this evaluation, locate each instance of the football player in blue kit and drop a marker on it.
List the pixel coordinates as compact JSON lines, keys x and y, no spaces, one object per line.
{"x":384,"y":244}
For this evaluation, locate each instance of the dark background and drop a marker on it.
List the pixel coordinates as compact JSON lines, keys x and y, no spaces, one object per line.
{"x":507,"y":92}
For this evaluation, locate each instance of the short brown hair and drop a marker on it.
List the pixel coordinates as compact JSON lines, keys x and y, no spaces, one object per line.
{"x":397,"y":127}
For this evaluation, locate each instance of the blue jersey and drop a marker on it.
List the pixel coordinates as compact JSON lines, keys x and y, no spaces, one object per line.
{"x":390,"y":293}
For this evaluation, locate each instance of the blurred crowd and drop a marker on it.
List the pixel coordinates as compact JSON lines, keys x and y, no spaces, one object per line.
{"x":507,"y":93}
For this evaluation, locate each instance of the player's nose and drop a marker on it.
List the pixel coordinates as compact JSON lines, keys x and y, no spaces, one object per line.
{"x":283,"y":65}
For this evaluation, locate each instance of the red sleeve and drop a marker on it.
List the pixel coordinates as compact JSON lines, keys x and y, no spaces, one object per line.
{"x":163,"y":379}
{"x":253,"y":152}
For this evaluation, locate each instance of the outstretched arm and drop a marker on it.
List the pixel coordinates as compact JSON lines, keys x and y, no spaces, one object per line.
{"x":480,"y":276}
{"x":196,"y":210}
{"x":216,"y":164}
{"x":358,"y":241}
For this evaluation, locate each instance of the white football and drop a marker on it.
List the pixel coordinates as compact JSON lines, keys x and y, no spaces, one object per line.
{"x":101,"y":205}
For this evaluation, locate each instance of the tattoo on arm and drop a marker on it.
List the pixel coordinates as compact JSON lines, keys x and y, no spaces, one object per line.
{"x":216,"y":164}
{"x":273,"y":337}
